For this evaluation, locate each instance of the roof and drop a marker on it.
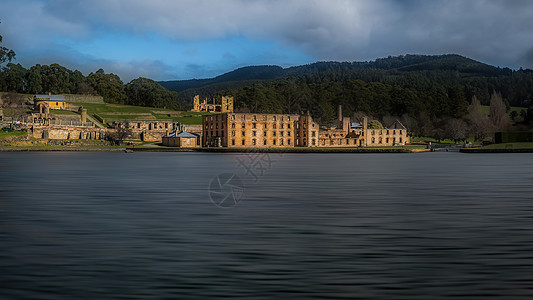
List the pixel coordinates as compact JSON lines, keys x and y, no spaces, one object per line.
{"x":50,"y":97}
{"x":182,"y":134}
{"x":397,"y":125}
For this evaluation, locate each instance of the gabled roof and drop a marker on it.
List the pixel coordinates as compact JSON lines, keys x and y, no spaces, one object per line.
{"x":397,"y":125}
{"x":182,"y":134}
{"x":50,"y":97}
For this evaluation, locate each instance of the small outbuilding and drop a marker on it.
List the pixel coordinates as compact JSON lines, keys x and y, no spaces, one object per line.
{"x":182,"y":139}
{"x":44,"y":103}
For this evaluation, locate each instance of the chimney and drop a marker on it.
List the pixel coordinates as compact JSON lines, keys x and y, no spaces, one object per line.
{"x":339,"y":114}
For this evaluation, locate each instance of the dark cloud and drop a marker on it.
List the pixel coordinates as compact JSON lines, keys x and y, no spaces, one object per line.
{"x":497,"y":31}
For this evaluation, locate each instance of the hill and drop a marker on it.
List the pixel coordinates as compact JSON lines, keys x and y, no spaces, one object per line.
{"x":400,"y":64}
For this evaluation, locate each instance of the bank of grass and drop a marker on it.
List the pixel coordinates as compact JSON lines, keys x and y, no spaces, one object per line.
{"x":6,"y":132}
{"x":508,"y":146}
{"x":63,"y":112}
{"x":117,"y":112}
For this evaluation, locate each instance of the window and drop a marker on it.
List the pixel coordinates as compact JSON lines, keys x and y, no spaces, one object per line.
{"x":373,"y":140}
{"x":313,"y":142}
{"x":233,"y":125}
{"x":387,"y":140}
{"x":233,"y":117}
{"x":313,"y":133}
{"x":244,"y":133}
{"x":273,"y":133}
{"x":274,"y":126}
{"x":253,"y":133}
{"x":400,"y":140}
{"x":289,"y":125}
{"x":281,"y":142}
{"x":274,"y":118}
{"x":400,"y":133}
{"x":254,"y":125}
{"x":274,"y":142}
{"x":216,"y":125}
{"x":243,"y":125}
{"x":233,"y":133}
{"x":264,"y":142}
{"x":281,"y":126}
{"x":387,"y":131}
{"x":264,"y":133}
{"x":281,"y":133}
{"x":288,"y":142}
{"x":265,"y":126}
{"x":288,"y":133}
{"x":243,"y":142}
{"x":254,"y":117}
{"x":254,"y":142}
{"x":233,"y":142}
{"x":394,"y":132}
{"x":288,"y":118}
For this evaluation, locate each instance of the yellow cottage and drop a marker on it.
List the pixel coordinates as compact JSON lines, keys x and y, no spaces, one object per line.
{"x":50,"y":101}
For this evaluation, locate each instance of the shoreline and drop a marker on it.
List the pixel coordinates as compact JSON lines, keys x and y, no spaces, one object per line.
{"x":217,"y":150}
{"x":264,"y":150}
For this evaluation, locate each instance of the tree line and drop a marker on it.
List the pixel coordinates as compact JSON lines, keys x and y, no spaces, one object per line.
{"x":57,"y":79}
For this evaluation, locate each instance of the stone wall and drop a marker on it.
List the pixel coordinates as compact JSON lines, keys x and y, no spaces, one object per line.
{"x":68,"y":133}
{"x":84,"y":98}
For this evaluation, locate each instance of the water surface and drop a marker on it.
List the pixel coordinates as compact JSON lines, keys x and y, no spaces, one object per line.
{"x":318,"y":226}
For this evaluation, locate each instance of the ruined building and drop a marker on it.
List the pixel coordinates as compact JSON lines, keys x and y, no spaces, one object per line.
{"x":225,"y":106}
{"x":289,"y":130}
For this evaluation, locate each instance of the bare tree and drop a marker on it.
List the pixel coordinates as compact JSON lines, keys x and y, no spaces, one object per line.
{"x":479,"y":124}
{"x":122,"y":131}
{"x":498,"y":113}
{"x":15,"y":104}
{"x":456,"y":130}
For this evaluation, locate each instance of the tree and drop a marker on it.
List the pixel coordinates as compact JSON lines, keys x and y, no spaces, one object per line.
{"x":122,"y":131}
{"x":456,"y":130}
{"x":479,"y":124}
{"x":146,"y":92}
{"x":5,"y":53}
{"x":109,"y":86}
{"x":498,"y":113}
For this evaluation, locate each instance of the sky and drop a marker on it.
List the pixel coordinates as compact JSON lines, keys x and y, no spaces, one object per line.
{"x":186,"y":39}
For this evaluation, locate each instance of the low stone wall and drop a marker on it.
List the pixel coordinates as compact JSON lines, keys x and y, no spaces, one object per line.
{"x":68,"y":133}
{"x":84,"y":98}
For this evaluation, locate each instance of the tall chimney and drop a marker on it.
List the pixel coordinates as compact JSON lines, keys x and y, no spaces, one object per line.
{"x":339,"y":113}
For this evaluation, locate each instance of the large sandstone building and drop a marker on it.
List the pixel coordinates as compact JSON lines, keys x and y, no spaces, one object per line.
{"x":289,"y":130}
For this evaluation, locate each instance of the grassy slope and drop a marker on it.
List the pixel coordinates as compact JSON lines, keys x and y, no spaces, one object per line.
{"x":509,"y":146}
{"x":117,"y":112}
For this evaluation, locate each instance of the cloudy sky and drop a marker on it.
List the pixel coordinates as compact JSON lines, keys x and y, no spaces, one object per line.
{"x":184,"y":39}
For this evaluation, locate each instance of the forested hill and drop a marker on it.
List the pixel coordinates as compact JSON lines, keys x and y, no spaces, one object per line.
{"x":380,"y":70}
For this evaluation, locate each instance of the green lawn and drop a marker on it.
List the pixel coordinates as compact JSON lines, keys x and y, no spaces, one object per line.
{"x":63,"y":112}
{"x":116,"y":112}
{"x":7,"y":132}
{"x":509,"y":146}
{"x":486,"y":109}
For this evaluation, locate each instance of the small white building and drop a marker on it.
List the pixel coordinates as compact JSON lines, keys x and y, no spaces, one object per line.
{"x":182,"y":139}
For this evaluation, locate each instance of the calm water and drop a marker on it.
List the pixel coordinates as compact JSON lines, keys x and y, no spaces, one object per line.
{"x":363,"y":226}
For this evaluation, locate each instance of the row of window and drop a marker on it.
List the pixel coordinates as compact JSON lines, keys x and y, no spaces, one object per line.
{"x":254,"y":133}
{"x":387,"y":140}
{"x":264,"y":117}
{"x":282,"y":142}
{"x":388,"y":131}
